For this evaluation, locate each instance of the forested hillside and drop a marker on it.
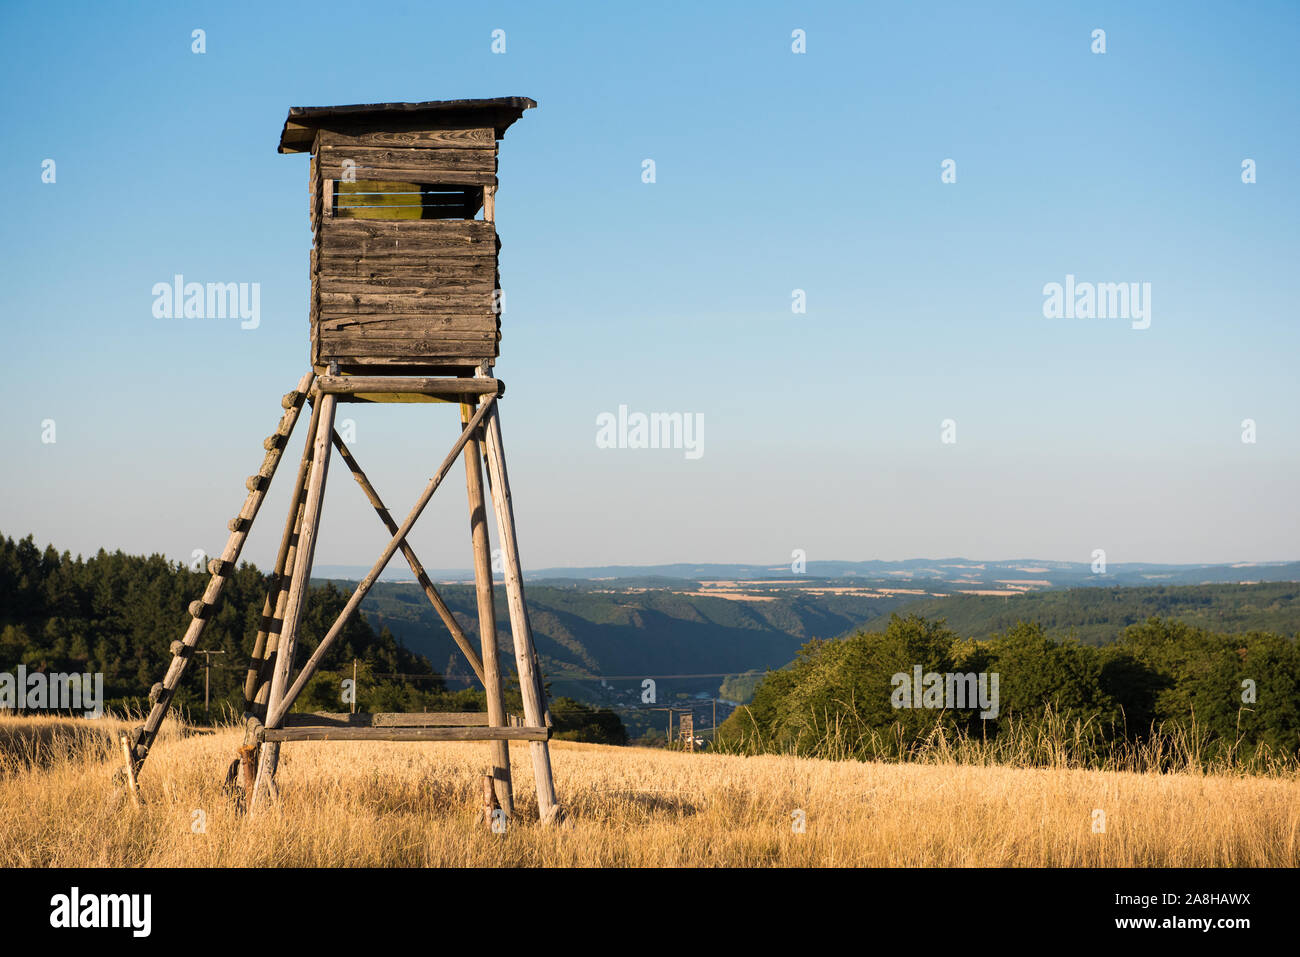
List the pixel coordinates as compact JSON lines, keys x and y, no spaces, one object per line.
{"x":1228,"y":697}
{"x":118,"y":614}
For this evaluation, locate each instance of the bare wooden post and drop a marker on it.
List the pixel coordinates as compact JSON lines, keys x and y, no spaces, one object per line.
{"x":525,"y":654}
{"x":132,"y":786}
{"x":487,"y":617}
{"x":207,"y":678}
{"x":490,"y":804}
{"x":297,"y":589}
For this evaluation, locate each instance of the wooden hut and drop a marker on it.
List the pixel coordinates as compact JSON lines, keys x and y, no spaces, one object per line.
{"x":404,"y":266}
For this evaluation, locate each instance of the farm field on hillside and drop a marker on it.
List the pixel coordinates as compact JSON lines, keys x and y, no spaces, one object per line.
{"x":402,"y":805}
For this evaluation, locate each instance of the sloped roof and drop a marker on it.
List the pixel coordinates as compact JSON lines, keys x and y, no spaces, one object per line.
{"x":301,"y":124}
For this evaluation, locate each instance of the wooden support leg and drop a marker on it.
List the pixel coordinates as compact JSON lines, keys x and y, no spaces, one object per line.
{"x":487,"y":617}
{"x":269,"y":629}
{"x":306,"y":549}
{"x":220,"y":569}
{"x":525,"y":654}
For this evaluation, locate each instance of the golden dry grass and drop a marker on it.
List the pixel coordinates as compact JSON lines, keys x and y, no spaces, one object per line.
{"x":348,"y":804}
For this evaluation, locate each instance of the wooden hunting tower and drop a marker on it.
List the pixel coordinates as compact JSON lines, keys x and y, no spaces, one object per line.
{"x":404,"y":308}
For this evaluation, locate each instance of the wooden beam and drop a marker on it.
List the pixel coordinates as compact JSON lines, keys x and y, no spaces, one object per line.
{"x":487,"y":618}
{"x":132,"y":787}
{"x":448,"y":388}
{"x":283,"y":558}
{"x":278,"y":710}
{"x":530,"y":684}
{"x":277,"y":735}
{"x":276,"y":703}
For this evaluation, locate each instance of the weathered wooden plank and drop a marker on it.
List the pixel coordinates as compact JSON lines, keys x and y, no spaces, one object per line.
{"x":388,"y":719}
{"x":380,"y":255}
{"x":422,"y":271}
{"x":374,"y":303}
{"x":487,"y":626}
{"x":313,"y":192}
{"x":393,"y":325}
{"x":335,"y":345}
{"x":460,"y":230}
{"x":474,"y":138}
{"x":531,"y":690}
{"x":371,"y":158}
{"x":440,"y":177}
{"x":398,"y":365}
{"x":406,"y":285}
{"x":383,"y":253}
{"x":423,"y":294}
{"x":412,"y":248}
{"x":399,"y":263}
{"x":404,"y":734}
{"x":428,"y":385}
{"x":471,"y":167}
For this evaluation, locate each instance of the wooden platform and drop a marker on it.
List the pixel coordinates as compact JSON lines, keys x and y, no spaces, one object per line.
{"x":398,"y":388}
{"x":403,"y":734}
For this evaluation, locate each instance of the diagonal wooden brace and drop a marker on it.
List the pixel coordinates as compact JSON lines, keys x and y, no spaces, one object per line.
{"x":457,"y":633}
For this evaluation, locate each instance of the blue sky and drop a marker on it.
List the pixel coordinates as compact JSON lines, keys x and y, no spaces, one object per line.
{"x":774,"y":171}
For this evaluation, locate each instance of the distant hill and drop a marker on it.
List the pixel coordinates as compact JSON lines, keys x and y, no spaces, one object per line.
{"x":1029,"y":573}
{"x":1097,"y":616}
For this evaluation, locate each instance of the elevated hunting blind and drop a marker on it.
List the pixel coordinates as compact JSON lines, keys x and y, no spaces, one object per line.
{"x":404,"y":308}
{"x":403,"y":272}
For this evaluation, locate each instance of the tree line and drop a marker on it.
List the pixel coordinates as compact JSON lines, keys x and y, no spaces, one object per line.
{"x":1232,"y":696}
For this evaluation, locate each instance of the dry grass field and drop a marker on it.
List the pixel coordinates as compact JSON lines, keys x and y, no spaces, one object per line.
{"x":400,"y":805}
